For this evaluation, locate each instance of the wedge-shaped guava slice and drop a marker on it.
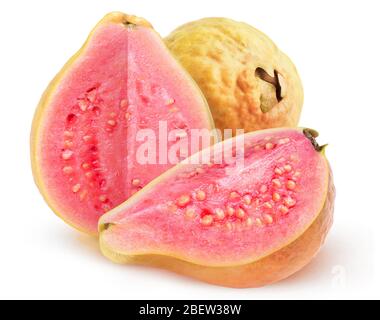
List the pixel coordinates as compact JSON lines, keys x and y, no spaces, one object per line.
{"x":233,"y":223}
{"x":83,"y":142}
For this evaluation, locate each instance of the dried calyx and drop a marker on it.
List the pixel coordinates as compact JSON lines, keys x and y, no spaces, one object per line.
{"x":274,"y":81}
{"x":312,"y":135}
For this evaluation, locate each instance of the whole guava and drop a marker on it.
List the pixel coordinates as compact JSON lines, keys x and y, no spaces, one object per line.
{"x":248,"y":82}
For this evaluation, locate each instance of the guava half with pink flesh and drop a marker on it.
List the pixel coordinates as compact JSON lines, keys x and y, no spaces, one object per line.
{"x":231,"y":222}
{"x":84,"y":140}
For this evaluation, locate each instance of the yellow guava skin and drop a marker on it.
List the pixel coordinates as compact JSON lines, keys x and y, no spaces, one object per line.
{"x":226,"y":58}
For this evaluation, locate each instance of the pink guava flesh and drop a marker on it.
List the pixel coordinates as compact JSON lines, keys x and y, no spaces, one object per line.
{"x":124,"y":81}
{"x":221,"y":214}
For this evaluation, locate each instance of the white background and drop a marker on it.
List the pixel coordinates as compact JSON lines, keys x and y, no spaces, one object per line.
{"x":336,"y":47}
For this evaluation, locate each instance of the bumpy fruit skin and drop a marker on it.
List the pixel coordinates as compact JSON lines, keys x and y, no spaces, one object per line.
{"x":266,"y":270}
{"x":232,"y":63}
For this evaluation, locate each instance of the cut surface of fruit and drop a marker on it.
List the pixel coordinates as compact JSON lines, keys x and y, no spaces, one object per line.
{"x":85,"y":133}
{"x":224,"y":214}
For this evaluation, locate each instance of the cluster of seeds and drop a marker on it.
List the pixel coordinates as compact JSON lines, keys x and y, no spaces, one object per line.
{"x":262,"y":206}
{"x":270,"y":143}
{"x":84,"y":171}
{"x":151,"y":93}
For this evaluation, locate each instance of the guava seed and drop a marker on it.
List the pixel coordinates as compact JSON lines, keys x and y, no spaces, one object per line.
{"x":207,"y":220}
{"x":200,"y":195}
{"x":76,"y":188}
{"x":183,"y":200}
{"x":67,"y":154}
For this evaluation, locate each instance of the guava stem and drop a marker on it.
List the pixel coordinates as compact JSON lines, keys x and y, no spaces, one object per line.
{"x":312,"y":135}
{"x":105,"y":226}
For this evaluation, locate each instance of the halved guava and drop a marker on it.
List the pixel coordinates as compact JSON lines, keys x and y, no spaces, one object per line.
{"x":233,"y":223}
{"x":84,"y":137}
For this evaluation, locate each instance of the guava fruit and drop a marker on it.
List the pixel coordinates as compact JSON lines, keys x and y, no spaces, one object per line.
{"x":84,"y":135}
{"x":230,"y":224}
{"x":248,"y":82}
